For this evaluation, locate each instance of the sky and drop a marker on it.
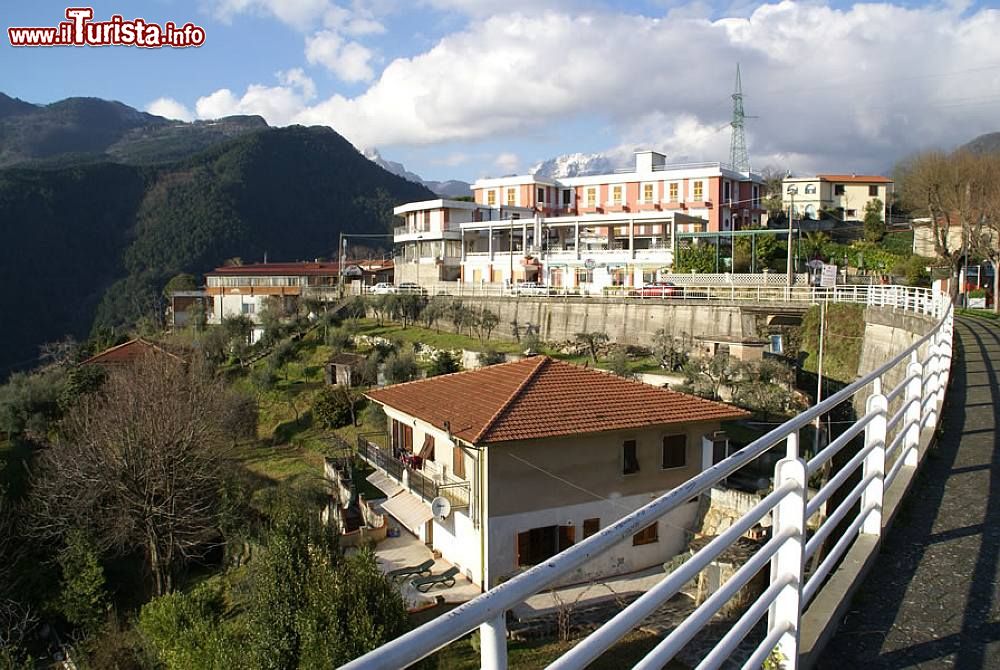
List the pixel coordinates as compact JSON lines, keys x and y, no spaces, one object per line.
{"x":463,"y":89}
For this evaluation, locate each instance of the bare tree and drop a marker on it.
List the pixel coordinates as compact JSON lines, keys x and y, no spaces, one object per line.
{"x":139,"y":466}
{"x":949,"y":189}
{"x":984,"y":238}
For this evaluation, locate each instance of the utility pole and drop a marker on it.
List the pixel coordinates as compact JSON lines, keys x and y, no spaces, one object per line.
{"x":340,"y":265}
{"x":819,"y":371}
{"x":792,"y":190}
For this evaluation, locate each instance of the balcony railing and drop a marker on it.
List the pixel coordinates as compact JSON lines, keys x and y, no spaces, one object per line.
{"x":426,"y":488}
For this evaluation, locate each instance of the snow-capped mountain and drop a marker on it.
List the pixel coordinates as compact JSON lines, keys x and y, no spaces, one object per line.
{"x":574,"y":165}
{"x":451,"y":188}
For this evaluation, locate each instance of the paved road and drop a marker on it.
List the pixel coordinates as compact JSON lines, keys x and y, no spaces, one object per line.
{"x":932,"y":599}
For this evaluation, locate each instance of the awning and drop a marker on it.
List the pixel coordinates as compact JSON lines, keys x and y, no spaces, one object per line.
{"x":409,"y":510}
{"x":384,"y":483}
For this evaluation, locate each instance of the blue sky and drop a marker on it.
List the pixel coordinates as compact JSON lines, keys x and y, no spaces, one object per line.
{"x":470,"y":88}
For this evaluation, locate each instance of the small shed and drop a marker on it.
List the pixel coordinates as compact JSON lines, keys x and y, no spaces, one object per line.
{"x":742,"y":349}
{"x":344,"y":369}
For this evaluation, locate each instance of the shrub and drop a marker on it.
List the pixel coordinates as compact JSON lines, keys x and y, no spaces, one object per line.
{"x":82,"y":599}
{"x":491,"y":357}
{"x":335,"y":407}
{"x":444,"y":363}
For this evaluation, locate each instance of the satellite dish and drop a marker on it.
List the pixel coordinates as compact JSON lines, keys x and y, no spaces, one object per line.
{"x":440,"y":508}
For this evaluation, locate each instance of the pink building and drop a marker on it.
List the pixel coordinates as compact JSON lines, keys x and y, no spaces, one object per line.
{"x":587,"y":233}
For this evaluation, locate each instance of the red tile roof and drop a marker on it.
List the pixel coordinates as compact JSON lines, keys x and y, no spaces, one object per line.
{"x":128,"y":352}
{"x":276,"y":269}
{"x":540,"y":397}
{"x":297,"y":269}
{"x":856,"y":178}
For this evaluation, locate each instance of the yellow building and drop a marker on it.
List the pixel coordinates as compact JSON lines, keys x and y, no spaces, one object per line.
{"x":846,"y":195}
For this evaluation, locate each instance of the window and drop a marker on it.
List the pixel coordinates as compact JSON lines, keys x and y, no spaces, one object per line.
{"x":616,"y":195}
{"x":541,"y":194}
{"x":674,"y":451}
{"x":584,"y":276}
{"x":566,"y":197}
{"x":873,"y":191}
{"x":427,"y":450}
{"x":756,"y":195}
{"x":852,"y":212}
{"x":539,"y":544}
{"x":647,"y":193}
{"x":838,"y":189}
{"x":777,"y":344}
{"x":673,"y":192}
{"x":491,"y":198}
{"x":591,"y":197}
{"x":648,"y":276}
{"x":647,"y":535}
{"x":511,"y":197}
{"x":590,"y":527}
{"x":458,"y":462}
{"x":699,"y":191}
{"x":810,"y":188}
{"x":726,"y":193}
{"x":630,"y":459}
{"x":249,"y":308}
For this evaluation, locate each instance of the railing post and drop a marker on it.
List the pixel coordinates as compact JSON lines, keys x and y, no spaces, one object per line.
{"x":932,"y":378}
{"x":789,"y":514}
{"x":874,"y":462}
{"x":493,"y":644}
{"x":911,"y":418}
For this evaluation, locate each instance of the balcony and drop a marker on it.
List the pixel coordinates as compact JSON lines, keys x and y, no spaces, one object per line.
{"x":415,"y":480}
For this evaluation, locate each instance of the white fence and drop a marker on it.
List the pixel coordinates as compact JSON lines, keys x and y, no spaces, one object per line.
{"x":894,"y":428}
{"x":919,"y":300}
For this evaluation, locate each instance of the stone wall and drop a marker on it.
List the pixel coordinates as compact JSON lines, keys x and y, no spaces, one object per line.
{"x":629,"y":322}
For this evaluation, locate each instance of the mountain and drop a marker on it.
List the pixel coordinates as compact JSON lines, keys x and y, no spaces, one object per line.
{"x":984,"y":144}
{"x":452,"y":188}
{"x":81,"y":130}
{"x":574,"y":165}
{"x":88,"y":247}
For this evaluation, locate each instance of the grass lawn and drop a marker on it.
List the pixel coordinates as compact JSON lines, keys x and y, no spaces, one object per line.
{"x":538,"y":654}
{"x":445,"y":339}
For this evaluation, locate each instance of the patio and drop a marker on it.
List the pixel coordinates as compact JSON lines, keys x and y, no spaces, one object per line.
{"x":405,"y":550}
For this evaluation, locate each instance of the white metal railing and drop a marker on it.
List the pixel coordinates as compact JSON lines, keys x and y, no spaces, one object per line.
{"x":894,"y":417}
{"x":909,"y":298}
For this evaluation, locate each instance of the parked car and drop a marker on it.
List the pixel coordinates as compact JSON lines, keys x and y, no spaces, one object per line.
{"x":660,"y":289}
{"x":532,"y":288}
{"x":383,"y":288}
{"x":410,"y":287}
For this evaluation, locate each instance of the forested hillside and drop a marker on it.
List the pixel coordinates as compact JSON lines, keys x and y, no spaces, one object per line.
{"x":90,"y":246}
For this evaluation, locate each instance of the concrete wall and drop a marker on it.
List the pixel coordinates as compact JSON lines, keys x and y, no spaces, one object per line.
{"x":887,"y":333}
{"x":626,"y":322}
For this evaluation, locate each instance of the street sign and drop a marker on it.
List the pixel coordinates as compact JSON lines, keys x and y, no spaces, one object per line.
{"x":828,"y":278}
{"x":590,"y":264}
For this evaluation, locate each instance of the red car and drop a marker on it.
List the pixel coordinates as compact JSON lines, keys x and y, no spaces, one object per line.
{"x":660,"y":289}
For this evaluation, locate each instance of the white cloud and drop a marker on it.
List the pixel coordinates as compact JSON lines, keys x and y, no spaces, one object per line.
{"x":296,"y":78}
{"x":507,"y":162}
{"x":838,"y":89}
{"x":348,"y":60}
{"x":170,"y":109}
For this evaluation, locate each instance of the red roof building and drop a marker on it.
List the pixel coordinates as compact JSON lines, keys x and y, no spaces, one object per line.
{"x":534,"y":455}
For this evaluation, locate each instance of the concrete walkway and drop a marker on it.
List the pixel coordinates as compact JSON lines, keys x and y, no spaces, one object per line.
{"x":932,"y":599}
